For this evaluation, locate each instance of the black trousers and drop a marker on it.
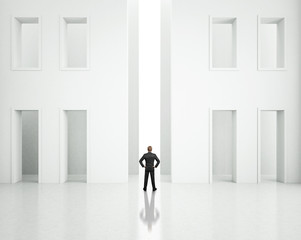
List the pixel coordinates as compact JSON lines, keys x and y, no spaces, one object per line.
{"x":152,"y":173}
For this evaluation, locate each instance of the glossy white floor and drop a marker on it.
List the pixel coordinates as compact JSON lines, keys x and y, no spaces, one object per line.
{"x":223,"y":210}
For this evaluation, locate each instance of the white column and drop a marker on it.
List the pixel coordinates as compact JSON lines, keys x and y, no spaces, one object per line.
{"x":133,"y":77}
{"x":165,"y":87}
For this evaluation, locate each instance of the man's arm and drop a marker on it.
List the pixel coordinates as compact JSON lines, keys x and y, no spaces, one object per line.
{"x":158,"y":161}
{"x":140,"y":161}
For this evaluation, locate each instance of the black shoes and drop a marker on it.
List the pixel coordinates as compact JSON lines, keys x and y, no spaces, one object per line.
{"x":144,"y":189}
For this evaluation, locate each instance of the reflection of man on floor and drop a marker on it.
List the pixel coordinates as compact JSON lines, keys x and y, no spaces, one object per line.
{"x":149,"y":167}
{"x":151,"y":214}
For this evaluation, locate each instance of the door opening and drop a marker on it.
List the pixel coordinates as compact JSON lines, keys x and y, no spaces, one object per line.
{"x":223,"y":146}
{"x":73,"y":146}
{"x":25,"y":146}
{"x":271,"y":146}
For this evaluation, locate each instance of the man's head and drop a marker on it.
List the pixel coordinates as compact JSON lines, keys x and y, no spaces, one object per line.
{"x":149,"y":148}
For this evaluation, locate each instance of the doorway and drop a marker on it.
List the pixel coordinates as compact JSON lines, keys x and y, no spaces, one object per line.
{"x":25,"y":152}
{"x":271,"y":146}
{"x":222,"y":146}
{"x":73,"y":146}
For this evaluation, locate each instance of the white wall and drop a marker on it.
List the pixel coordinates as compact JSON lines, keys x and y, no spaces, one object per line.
{"x":103,"y":89}
{"x":268,"y":142}
{"x":77,"y":142}
{"x":30,"y":139}
{"x":195,"y":89}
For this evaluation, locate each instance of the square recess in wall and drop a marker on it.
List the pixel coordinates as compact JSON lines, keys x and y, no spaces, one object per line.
{"x":74,"y":44}
{"x":271,"y":43}
{"x":223,"y":43}
{"x":26,"y":43}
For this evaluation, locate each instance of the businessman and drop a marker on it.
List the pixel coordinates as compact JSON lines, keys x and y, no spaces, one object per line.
{"x":149,"y":166}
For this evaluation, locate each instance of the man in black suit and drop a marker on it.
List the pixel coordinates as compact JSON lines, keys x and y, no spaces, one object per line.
{"x":149,"y":168}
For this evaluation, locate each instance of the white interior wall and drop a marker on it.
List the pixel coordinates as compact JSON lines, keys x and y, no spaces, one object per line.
{"x":195,"y":89}
{"x":222,"y":145}
{"x":268,"y":143}
{"x":77,"y":142}
{"x":104,"y":88}
{"x":30,"y":139}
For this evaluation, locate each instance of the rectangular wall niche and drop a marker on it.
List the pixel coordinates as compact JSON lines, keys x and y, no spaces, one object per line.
{"x":223,"y":42}
{"x":73,"y":145}
{"x":271,"y":43}
{"x":74,"y":43}
{"x":271,"y":146}
{"x":223,"y":146}
{"x":26,"y":161}
{"x":26,"y":43}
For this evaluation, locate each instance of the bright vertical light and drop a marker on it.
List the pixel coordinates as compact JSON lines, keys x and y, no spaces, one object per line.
{"x":149,"y":98}
{"x":149,"y":76}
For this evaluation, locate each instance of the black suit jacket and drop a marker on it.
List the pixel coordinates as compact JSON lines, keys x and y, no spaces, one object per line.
{"x":149,"y":159}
